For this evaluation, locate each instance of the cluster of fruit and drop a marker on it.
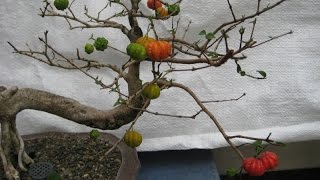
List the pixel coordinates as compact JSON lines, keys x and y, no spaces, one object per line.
{"x":146,"y":46}
{"x":173,"y":9}
{"x":257,"y":166}
{"x":100,"y":44}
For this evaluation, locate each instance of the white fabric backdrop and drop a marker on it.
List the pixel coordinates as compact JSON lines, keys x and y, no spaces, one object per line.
{"x":286,"y":103}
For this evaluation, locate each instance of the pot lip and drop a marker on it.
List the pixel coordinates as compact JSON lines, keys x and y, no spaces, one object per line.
{"x":130,"y":163}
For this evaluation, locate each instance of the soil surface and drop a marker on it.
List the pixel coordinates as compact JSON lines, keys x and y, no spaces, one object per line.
{"x":73,"y":157}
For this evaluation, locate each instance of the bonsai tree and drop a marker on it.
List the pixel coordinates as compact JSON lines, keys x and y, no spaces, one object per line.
{"x":146,"y":44}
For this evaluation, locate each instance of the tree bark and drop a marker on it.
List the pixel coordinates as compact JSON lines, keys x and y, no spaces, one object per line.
{"x":26,"y":98}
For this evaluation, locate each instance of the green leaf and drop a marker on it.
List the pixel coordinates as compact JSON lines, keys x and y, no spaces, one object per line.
{"x":262,"y":73}
{"x":119,"y":101}
{"x":257,"y":143}
{"x":203,"y":32}
{"x":238,"y":68}
{"x":231,"y":172}
{"x":210,"y":36}
{"x":258,"y":146}
{"x":172,"y":31}
{"x":241,"y":30}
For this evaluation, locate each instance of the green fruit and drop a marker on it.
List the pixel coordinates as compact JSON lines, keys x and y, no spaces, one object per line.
{"x":61,"y":4}
{"x":136,"y":51}
{"x":94,"y":134}
{"x":101,"y":44}
{"x":133,"y":139}
{"x":151,"y":91}
{"x":174,"y":8}
{"x":89,"y":48}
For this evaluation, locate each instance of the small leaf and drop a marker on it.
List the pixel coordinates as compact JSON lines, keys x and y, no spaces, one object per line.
{"x":210,"y":36}
{"x":258,"y":146}
{"x":262,"y":73}
{"x":257,"y":143}
{"x":238,"y":68}
{"x":241,"y":30}
{"x":203,"y":32}
{"x":231,"y":172}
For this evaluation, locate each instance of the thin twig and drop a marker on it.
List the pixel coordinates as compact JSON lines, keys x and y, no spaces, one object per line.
{"x":234,"y":99}
{"x":230,"y":7}
{"x":272,"y":38}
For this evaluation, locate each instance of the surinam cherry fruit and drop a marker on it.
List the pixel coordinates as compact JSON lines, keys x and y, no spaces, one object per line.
{"x":159,"y":50}
{"x":151,"y":91}
{"x":253,"y":166}
{"x":136,"y":51}
{"x":61,"y":4}
{"x":145,"y":41}
{"x":101,"y":44}
{"x":174,"y":9}
{"x":89,"y":48}
{"x":269,"y":159}
{"x":162,"y":12}
{"x":94,"y":134}
{"x":154,"y":4}
{"x":133,"y":139}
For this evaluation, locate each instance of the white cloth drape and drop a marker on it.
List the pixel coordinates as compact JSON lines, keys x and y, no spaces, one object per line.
{"x":286,"y":103}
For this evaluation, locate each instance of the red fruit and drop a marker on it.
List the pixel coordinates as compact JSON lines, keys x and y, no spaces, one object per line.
{"x":269,"y":159}
{"x":154,"y":4}
{"x":253,"y":166}
{"x":159,"y":50}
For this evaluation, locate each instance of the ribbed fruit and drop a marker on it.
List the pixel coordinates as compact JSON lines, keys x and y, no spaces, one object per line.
{"x":94,"y":134}
{"x":101,"y":44}
{"x":89,"y":48}
{"x":253,"y":166}
{"x":159,"y":50}
{"x":145,"y":41}
{"x":162,"y":12}
{"x":269,"y":159}
{"x":133,"y":139}
{"x":154,"y":4}
{"x":61,"y":4}
{"x":151,"y":91}
{"x":136,"y":51}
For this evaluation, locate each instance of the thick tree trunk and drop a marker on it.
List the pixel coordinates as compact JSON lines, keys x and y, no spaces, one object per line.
{"x":14,"y":100}
{"x":64,"y":107}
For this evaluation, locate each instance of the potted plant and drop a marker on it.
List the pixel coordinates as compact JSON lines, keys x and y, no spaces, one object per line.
{"x":145,"y":45}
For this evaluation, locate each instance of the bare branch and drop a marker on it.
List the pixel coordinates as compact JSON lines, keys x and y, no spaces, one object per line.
{"x":234,"y":99}
{"x":230,"y":7}
{"x":201,"y":105}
